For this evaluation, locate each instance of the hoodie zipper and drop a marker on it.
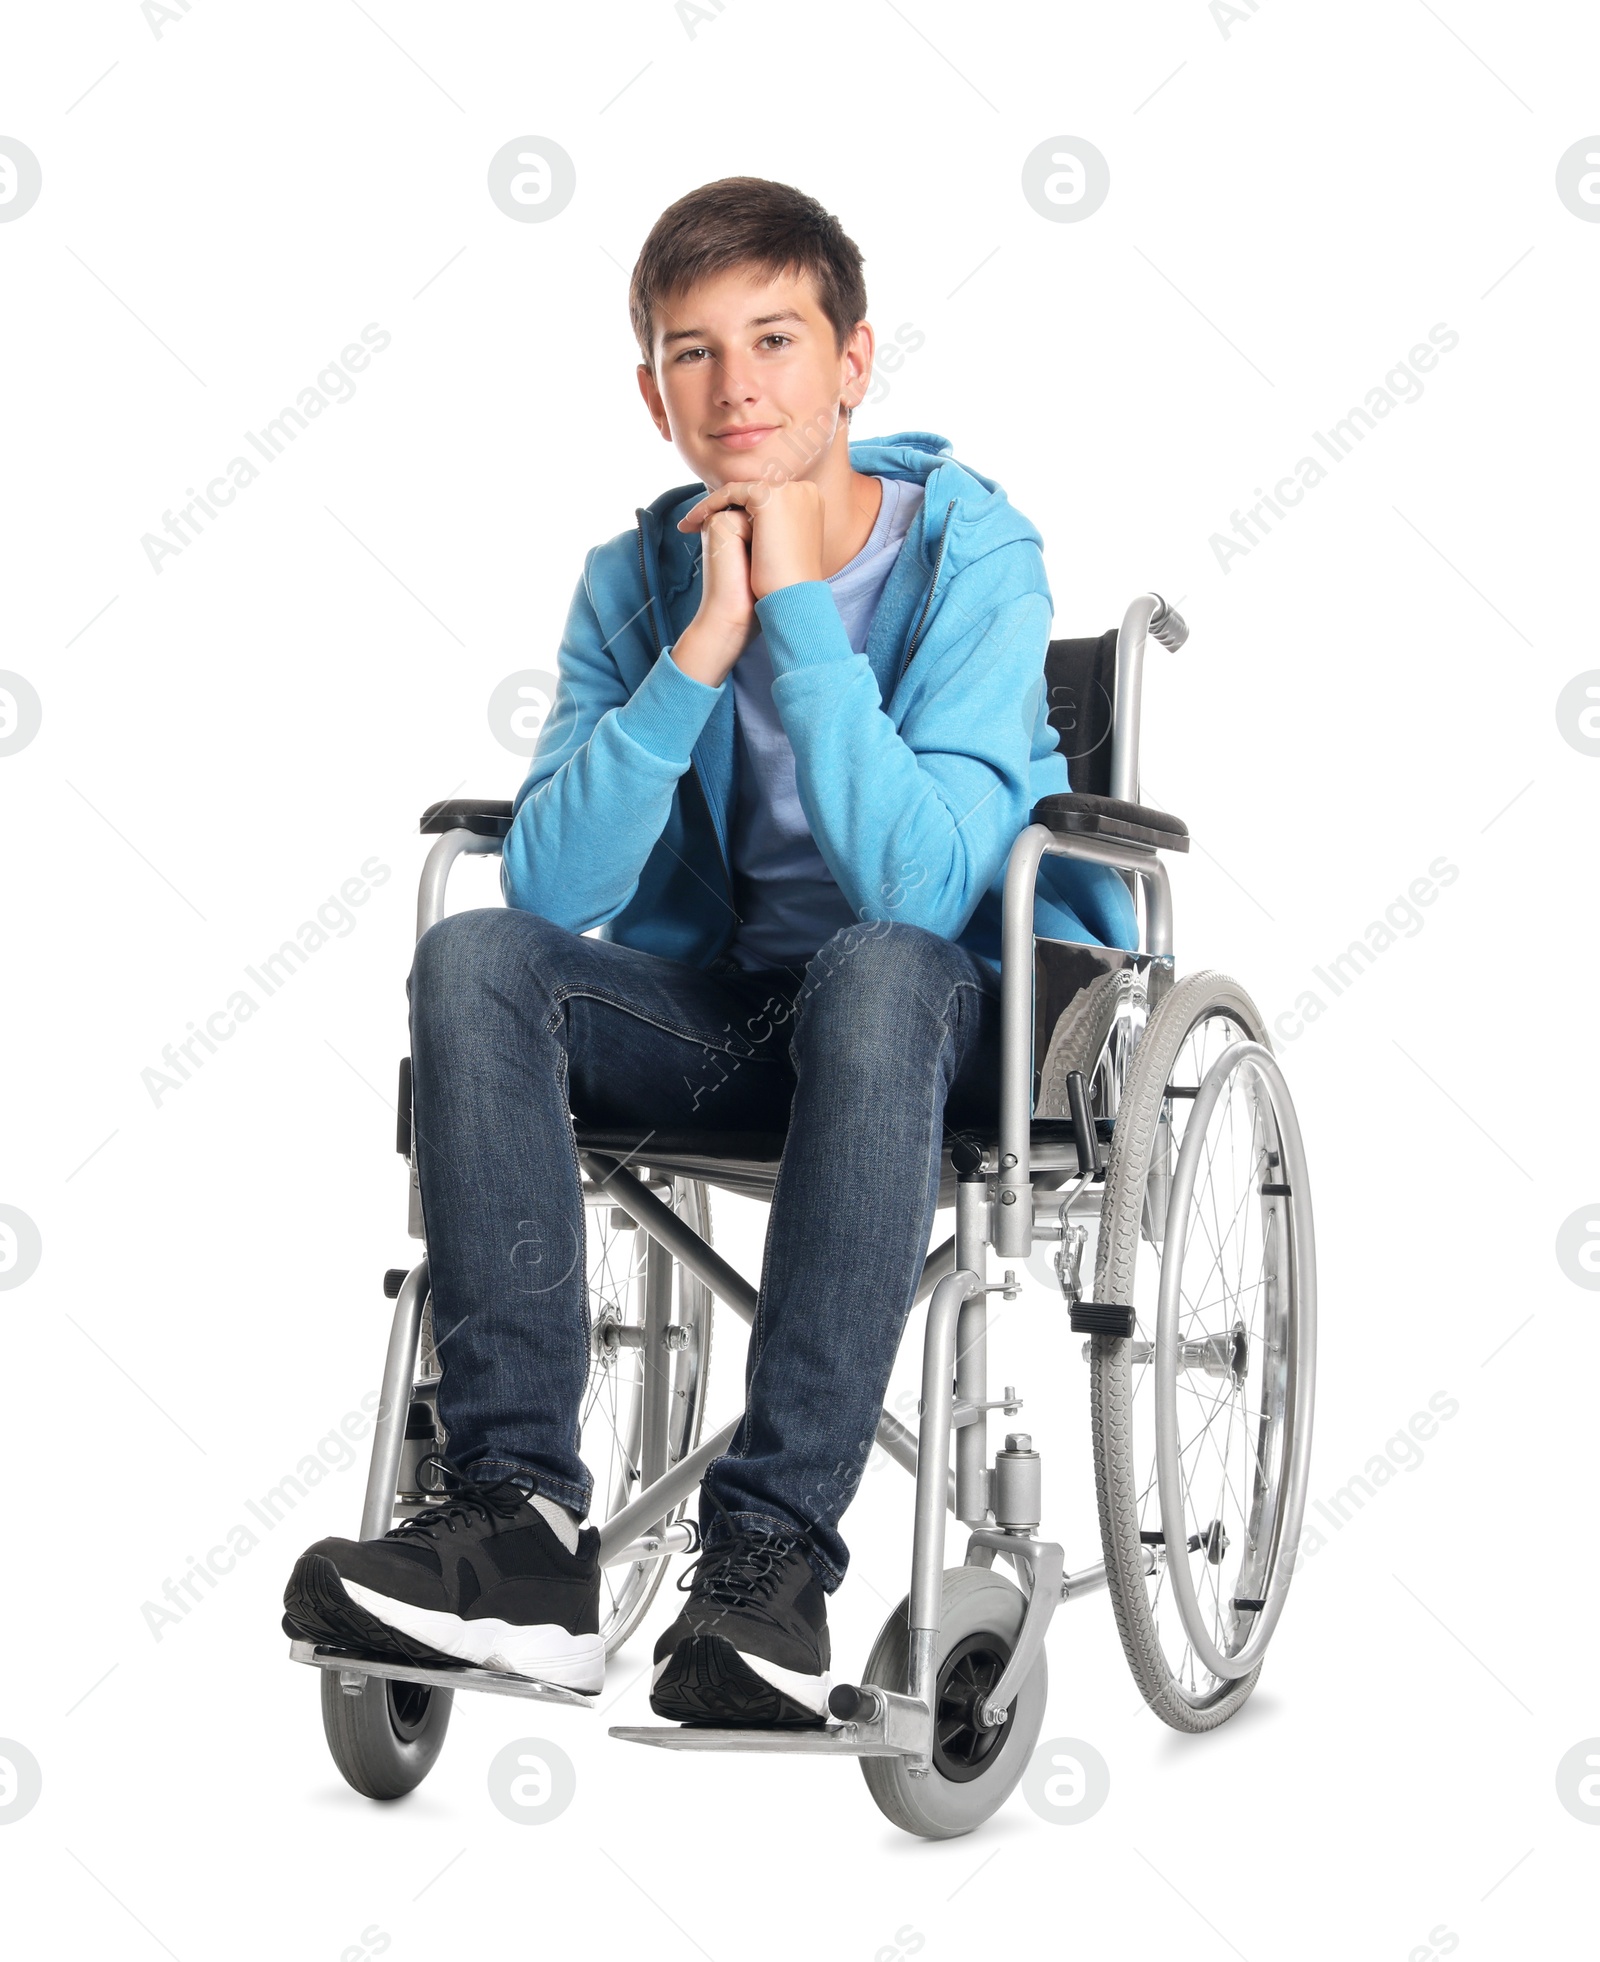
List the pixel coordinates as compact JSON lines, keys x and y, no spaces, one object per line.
{"x":650,"y":602}
{"x":928,"y":601}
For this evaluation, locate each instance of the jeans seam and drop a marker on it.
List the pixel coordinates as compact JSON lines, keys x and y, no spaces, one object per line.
{"x":588,"y":993}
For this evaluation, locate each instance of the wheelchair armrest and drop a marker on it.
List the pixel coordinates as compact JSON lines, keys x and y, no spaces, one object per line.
{"x":485,"y":817}
{"x":1069,"y":812}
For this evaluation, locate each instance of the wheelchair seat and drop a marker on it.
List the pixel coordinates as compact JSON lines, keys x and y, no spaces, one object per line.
{"x":746,"y":1162}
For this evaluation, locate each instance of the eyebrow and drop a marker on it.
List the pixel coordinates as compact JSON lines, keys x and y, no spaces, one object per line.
{"x":704,"y":333}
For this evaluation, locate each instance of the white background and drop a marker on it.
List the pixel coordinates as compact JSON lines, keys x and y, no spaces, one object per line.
{"x":1294,"y":204}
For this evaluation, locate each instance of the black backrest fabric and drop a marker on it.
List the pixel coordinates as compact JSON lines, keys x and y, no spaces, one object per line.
{"x":1080,"y":688}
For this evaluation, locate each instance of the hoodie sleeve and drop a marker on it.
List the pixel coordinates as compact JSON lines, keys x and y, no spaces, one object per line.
{"x":599,"y":791}
{"x":916,"y":822}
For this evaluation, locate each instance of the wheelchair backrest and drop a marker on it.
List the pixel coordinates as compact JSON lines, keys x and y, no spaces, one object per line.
{"x":1080,"y":689}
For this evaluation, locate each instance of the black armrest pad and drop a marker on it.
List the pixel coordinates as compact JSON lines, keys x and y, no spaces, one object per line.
{"x":488,"y":817}
{"x":1109,"y":817}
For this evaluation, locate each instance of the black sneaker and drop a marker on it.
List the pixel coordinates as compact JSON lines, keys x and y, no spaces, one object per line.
{"x":751,"y":1644}
{"x":481,"y":1577}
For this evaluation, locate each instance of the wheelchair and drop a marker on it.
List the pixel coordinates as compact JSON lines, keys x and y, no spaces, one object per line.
{"x":1144,"y":1124}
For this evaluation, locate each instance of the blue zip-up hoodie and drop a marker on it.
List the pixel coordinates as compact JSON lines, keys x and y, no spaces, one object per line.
{"x":917,"y":762}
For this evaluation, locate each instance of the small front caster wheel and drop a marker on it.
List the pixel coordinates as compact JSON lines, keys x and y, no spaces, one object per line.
{"x":975,"y":1769}
{"x":385,"y":1740}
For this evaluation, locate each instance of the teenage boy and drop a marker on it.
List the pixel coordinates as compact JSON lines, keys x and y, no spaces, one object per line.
{"x":800,"y":722}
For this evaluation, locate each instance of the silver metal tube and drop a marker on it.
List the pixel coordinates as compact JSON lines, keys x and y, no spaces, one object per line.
{"x":933,"y":1449}
{"x":447,"y":848}
{"x":1129,"y":687}
{"x":1016,"y":1042}
{"x":389,"y":1432}
{"x":655,"y":1372}
{"x":1087,"y":1579}
{"x":901,"y":1445}
{"x":646,"y":1512}
{"x":663,"y":1224}
{"x":1013,"y":1227}
{"x":972,"y":1375}
{"x":683,"y":1537}
{"x":921,"y":1676}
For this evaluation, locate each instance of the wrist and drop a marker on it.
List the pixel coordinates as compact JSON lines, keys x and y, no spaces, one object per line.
{"x":707,"y":651}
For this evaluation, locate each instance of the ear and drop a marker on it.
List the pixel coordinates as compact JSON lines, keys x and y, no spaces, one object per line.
{"x":856,"y":365}
{"x":652,"y":400}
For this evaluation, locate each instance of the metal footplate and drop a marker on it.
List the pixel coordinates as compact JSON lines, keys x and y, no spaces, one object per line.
{"x":898,"y":1727}
{"x":466,"y":1677}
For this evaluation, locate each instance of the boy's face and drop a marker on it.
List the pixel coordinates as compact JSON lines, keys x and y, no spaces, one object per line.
{"x":748,"y":382}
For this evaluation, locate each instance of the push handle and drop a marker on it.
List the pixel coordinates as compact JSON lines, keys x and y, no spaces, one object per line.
{"x":1169,"y":626}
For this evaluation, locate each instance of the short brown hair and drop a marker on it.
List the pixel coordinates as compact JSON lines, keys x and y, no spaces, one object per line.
{"x":746,"y":221}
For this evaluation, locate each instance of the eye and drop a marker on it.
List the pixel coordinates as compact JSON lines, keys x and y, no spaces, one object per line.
{"x":680,"y":359}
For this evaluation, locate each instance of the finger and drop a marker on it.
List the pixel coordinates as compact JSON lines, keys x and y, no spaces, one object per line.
{"x":723,"y":535}
{"x":751,"y":495}
{"x":696,"y":517}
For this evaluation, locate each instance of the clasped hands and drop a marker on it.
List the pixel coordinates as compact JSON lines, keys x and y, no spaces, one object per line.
{"x":755,"y":538}
{"x":778,"y":525}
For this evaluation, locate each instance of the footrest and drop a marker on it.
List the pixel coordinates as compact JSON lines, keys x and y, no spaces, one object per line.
{"x":466,"y":1677}
{"x":1103,"y":1318}
{"x":831,"y":1741}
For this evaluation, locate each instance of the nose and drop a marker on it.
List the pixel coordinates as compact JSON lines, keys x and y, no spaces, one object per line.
{"x":732,"y":386}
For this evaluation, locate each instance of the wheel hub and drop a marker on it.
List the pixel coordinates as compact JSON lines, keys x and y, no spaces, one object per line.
{"x":408,"y":1705}
{"x":962,"y":1742}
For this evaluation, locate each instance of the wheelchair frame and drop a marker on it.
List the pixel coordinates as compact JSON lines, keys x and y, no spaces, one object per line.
{"x":1006,"y":1196}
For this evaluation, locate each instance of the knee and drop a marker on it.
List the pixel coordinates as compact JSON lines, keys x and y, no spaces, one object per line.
{"x":880,"y":956}
{"x":456,"y":960}
{"x":874,"y":974}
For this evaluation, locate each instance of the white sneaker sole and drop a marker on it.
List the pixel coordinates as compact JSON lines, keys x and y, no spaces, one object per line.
{"x":542,"y":1651}
{"x":811,"y":1692}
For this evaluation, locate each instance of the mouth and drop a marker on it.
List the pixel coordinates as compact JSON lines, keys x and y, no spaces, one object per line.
{"x":744,"y":437}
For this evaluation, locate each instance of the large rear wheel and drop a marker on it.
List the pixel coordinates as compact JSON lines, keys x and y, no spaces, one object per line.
{"x":1202,"y":1418}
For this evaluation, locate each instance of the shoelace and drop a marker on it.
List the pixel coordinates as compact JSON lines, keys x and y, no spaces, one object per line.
{"x":742,"y":1571}
{"x":465,"y":1499}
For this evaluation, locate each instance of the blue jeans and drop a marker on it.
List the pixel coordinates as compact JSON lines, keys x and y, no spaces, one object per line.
{"x":869,"y":1056}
